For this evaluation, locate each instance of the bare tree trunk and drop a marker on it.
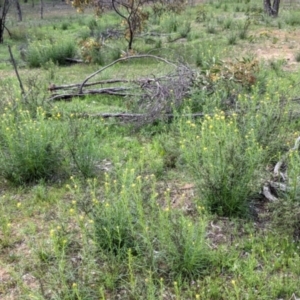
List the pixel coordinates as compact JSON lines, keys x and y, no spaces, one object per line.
{"x":42,"y":9}
{"x":271,"y":10}
{"x":19,"y":11}
{"x":4,"y":6}
{"x":1,"y":30}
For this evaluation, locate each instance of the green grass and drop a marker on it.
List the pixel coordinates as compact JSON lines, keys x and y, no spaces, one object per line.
{"x":99,"y":208}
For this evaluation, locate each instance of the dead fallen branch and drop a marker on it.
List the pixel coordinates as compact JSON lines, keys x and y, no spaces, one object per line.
{"x":152,"y":97}
{"x":280,"y":182}
{"x":74,"y":60}
{"x":124,"y":59}
{"x":53,"y":87}
{"x":133,"y":116}
{"x":108,"y":91}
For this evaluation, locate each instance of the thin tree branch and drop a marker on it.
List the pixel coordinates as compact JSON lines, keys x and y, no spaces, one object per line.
{"x":123,"y":59}
{"x":16,"y":70}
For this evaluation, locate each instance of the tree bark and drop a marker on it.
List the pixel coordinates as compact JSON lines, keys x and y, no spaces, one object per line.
{"x":271,"y":9}
{"x":42,"y":9}
{"x":4,"y":6}
{"x":19,"y":11}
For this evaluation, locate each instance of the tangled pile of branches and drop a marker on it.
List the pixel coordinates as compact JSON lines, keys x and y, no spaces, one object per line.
{"x":155,"y":96}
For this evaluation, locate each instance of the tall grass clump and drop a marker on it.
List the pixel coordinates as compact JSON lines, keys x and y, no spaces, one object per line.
{"x":162,"y":240}
{"x":292,"y":19}
{"x":184,"y":29}
{"x":211,"y":28}
{"x":84,"y":146}
{"x":232,"y":38}
{"x":268,"y":116}
{"x":30,"y":149}
{"x":227,"y":23}
{"x":169,"y":23}
{"x":37,"y":54}
{"x":224,"y":163}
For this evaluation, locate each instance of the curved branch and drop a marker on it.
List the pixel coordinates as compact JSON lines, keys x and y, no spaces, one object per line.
{"x":123,"y":59}
{"x":117,"y":10}
{"x":281,"y":161}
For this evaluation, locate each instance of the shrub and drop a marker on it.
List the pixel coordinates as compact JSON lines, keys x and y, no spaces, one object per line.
{"x":83,"y":146}
{"x":201,"y":14}
{"x":184,"y":29}
{"x":293,"y":19}
{"x":37,"y":55}
{"x":30,"y":149}
{"x":90,"y":50}
{"x":170,"y":23}
{"x":232,"y":39}
{"x":227,"y":23}
{"x":223,"y":163}
{"x":166,"y":240}
{"x":65,"y":25}
{"x":211,"y":28}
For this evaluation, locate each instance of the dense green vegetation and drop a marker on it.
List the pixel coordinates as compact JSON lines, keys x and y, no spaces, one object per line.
{"x":164,"y":207}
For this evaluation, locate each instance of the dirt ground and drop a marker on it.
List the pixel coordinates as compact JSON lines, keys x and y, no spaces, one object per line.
{"x":277,"y":44}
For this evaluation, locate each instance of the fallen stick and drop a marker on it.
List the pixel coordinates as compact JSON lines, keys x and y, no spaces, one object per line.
{"x":123,"y":59}
{"x":109,"y":91}
{"x":134,"y":116}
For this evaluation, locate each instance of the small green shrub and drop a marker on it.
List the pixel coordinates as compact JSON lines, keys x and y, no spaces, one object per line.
{"x":170,"y":23}
{"x":218,"y":5}
{"x":18,"y":33}
{"x":293,"y":19}
{"x":181,"y":244}
{"x":297,"y":57}
{"x":37,"y":54}
{"x":30,"y":149}
{"x":185,"y":29}
{"x":243,"y":34}
{"x":83,"y":146}
{"x":92,"y":23}
{"x":223,"y":163}
{"x":65,"y":25}
{"x":232,"y":39}
{"x":211,"y":28}
{"x":201,"y":14}
{"x":277,"y":65}
{"x":155,"y":234}
{"x":90,"y":50}
{"x":227,"y":23}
